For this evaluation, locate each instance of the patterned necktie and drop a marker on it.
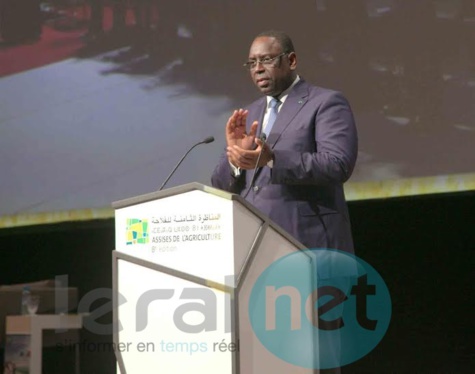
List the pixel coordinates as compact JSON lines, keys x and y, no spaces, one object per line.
{"x":274,"y":110}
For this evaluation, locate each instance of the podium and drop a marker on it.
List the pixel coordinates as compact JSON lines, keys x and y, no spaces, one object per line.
{"x":185,"y":264}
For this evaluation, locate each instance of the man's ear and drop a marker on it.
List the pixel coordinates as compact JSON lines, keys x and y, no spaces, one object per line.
{"x":292,"y":60}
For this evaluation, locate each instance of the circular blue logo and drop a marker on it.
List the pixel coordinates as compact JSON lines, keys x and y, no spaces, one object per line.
{"x":320,"y":308}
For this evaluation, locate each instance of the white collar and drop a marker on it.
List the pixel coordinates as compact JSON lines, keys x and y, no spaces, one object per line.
{"x":283,"y":96}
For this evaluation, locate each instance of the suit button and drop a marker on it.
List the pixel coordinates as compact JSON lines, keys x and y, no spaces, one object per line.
{"x":256,"y":188}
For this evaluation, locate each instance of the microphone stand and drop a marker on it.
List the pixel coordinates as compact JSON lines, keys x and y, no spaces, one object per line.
{"x":263,"y":139}
{"x":209,"y":139}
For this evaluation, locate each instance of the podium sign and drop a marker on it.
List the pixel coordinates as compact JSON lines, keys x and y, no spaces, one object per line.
{"x":185,"y":262}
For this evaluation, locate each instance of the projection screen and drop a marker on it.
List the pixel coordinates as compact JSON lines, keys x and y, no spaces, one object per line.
{"x":105,"y":125}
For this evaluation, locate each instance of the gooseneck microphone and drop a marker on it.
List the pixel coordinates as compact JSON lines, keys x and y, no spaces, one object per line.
{"x":207,"y":140}
{"x":263,"y":139}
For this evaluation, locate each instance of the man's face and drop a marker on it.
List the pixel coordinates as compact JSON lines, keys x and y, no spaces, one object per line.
{"x":271,"y":79}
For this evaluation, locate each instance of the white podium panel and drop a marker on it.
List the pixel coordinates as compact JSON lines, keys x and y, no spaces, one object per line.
{"x":182,"y":232}
{"x":164,"y":323}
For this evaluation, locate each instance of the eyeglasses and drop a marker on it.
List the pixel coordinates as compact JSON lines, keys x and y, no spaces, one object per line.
{"x":266,"y":61}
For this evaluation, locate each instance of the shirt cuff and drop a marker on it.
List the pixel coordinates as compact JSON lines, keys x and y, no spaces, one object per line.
{"x":235,"y":171}
{"x":270,"y":163}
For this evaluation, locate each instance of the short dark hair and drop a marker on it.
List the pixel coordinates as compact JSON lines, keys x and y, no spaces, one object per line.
{"x":283,"y":39}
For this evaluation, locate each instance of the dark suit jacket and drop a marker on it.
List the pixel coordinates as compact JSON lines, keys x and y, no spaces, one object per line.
{"x":314,"y":141}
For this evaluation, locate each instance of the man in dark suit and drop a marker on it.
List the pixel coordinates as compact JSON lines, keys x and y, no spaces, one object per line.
{"x":310,"y":151}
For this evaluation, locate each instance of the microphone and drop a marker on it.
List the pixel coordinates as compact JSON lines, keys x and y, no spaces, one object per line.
{"x":207,"y":140}
{"x":263,"y":139}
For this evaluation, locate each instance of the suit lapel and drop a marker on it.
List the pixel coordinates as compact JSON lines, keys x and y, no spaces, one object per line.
{"x":256,"y":113}
{"x":293,"y":104}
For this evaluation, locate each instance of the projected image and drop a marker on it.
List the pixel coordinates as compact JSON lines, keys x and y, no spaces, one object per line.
{"x":100,"y":99}
{"x":409,"y":69}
